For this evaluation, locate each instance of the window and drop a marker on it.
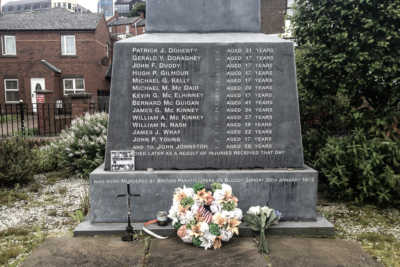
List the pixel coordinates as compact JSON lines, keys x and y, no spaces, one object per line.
{"x":127,"y":29}
{"x":68,"y":45}
{"x":11,"y":90}
{"x":73,"y":85}
{"x":8,"y":45}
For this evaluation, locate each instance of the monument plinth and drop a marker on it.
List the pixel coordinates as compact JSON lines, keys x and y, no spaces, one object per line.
{"x":188,"y":106}
{"x":211,"y":101}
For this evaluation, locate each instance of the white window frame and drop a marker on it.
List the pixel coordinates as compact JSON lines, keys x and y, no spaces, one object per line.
{"x":64,"y":45}
{"x":74,"y":90}
{"x":3,"y":45}
{"x":10,"y":90}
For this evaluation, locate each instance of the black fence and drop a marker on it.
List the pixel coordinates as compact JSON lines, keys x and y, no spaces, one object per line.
{"x":47,"y":119}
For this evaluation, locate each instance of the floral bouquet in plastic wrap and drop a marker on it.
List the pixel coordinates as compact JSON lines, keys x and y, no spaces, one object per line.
{"x":260,"y":219}
{"x":205,"y":218}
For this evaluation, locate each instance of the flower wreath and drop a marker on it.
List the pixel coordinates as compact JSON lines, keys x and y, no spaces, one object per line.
{"x":205,"y":218}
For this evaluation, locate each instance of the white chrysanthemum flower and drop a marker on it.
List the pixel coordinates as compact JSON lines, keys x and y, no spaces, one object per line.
{"x":226,"y":188}
{"x":187,"y":217}
{"x":173,"y":212}
{"x":206,"y":243}
{"x":215,"y":207}
{"x":204,"y":227}
{"x":188,"y":237}
{"x":226,"y":214}
{"x":188,"y":191}
{"x":226,"y":235}
{"x":219,"y":194}
{"x":195,"y":207}
{"x":209,"y":236}
{"x":233,"y":214}
{"x":237,"y":213}
{"x":256,"y":210}
{"x":267,"y":210}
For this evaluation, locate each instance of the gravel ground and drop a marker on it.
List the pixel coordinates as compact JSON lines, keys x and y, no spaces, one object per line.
{"x":352,"y":221}
{"x":376,"y":229}
{"x":50,"y":211}
{"x":50,"y":207}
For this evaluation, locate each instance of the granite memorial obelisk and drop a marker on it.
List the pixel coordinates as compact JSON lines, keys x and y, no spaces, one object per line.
{"x":203,"y":97}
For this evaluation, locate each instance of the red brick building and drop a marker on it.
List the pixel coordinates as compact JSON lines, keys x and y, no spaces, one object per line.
{"x":55,"y":53}
{"x":125,"y":27}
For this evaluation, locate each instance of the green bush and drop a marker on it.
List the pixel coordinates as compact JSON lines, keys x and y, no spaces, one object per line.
{"x":47,"y":158}
{"x":81,"y":147}
{"x":348,"y":67}
{"x":16,"y":162}
{"x":349,"y":90}
{"x":361,"y":169}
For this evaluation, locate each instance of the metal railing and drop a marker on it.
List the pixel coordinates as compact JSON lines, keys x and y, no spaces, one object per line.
{"x":44,"y":119}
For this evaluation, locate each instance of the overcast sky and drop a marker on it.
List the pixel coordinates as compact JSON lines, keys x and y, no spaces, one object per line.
{"x":90,"y":4}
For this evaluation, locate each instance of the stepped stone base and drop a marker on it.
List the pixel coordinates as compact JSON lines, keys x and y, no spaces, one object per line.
{"x":319,"y":228}
{"x":291,"y":191}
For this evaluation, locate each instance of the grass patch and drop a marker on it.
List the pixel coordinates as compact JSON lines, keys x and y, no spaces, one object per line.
{"x":15,"y":231}
{"x":35,"y":187}
{"x":376,"y":237}
{"x":55,"y":176}
{"x":19,"y":242}
{"x":8,"y":197}
{"x":85,"y":203}
{"x":371,"y":226}
{"x":9,"y":253}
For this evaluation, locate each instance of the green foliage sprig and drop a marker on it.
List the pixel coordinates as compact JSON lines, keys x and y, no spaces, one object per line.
{"x":214,"y":229}
{"x":215,"y":186}
{"x":198,"y":187}
{"x":229,"y":206}
{"x":196,"y":241}
{"x":187,"y":202}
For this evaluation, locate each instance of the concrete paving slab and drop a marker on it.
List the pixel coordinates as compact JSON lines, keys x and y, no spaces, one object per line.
{"x":83,"y":251}
{"x":173,"y":252}
{"x":285,"y":252}
{"x":316,"y":252}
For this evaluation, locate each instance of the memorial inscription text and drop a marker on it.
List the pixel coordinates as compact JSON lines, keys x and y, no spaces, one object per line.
{"x":170,"y":104}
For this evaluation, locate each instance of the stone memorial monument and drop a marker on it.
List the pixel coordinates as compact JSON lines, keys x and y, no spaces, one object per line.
{"x":203,"y":97}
